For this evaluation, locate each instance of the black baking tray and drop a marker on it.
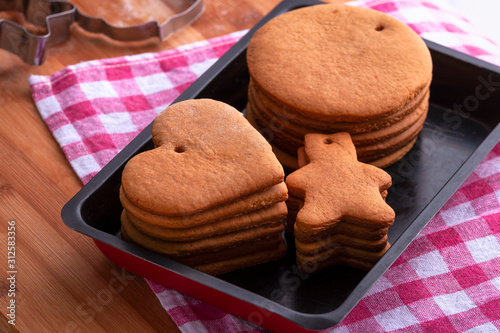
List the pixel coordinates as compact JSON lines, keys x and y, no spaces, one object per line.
{"x":461,"y":128}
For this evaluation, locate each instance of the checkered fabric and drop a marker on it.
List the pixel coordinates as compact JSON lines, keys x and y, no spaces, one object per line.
{"x":447,"y":280}
{"x":94,"y":109}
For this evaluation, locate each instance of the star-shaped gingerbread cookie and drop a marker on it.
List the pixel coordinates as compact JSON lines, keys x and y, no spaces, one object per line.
{"x":342,"y":205}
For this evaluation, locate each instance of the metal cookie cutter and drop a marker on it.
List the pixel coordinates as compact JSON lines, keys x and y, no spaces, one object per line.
{"x":57,"y":17}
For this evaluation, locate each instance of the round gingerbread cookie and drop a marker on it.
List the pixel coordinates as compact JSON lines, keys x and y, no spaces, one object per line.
{"x":206,"y":155}
{"x":339,"y":63}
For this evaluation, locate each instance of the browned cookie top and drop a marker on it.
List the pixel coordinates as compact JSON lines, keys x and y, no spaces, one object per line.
{"x":337,"y":188}
{"x":339,"y":62}
{"x":206,"y":155}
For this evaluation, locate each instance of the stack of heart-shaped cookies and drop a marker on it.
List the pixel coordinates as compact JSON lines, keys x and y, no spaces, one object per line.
{"x":337,"y":208}
{"x":210,"y":195}
{"x":339,"y":68}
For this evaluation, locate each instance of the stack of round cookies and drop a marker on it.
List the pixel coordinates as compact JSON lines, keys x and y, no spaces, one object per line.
{"x":338,"y":68}
{"x":211,"y":195}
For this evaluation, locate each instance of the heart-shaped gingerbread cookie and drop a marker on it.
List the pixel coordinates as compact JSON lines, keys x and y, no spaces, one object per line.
{"x":206,"y":155}
{"x":211,"y":194}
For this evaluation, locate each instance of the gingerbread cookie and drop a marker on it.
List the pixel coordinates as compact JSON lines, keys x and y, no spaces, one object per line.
{"x":210,"y":194}
{"x":338,"y":68}
{"x":206,"y":150}
{"x":341,"y":204}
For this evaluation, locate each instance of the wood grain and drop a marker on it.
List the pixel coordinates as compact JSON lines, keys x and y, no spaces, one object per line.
{"x":64,"y":284}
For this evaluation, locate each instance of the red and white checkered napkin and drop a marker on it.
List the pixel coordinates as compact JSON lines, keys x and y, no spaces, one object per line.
{"x":448,"y":280}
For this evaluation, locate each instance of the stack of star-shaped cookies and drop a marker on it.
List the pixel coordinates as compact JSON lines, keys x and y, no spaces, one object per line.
{"x":211,"y":194}
{"x":338,"y":68}
{"x":337,"y":208}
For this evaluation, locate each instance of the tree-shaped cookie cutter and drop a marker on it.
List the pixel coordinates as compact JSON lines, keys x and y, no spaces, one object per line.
{"x":58,"y":16}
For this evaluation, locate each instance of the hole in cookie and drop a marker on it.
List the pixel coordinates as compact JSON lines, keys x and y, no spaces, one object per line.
{"x":328,"y":141}
{"x":179,"y":149}
{"x":379,"y":27}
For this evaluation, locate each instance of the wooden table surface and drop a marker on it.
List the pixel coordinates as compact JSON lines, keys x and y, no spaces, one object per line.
{"x":62,"y":282}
